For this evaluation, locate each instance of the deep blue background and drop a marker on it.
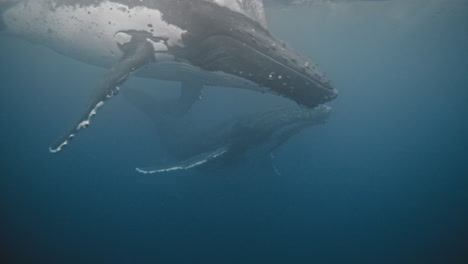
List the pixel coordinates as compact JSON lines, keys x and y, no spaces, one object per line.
{"x":385,"y":181}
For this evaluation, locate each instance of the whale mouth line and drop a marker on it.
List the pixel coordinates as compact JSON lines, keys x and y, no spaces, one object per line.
{"x":317,"y":83}
{"x":324,"y":87}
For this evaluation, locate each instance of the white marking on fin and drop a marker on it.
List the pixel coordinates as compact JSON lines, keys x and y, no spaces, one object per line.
{"x":196,"y":163}
{"x":85,"y":123}
{"x":59,"y":148}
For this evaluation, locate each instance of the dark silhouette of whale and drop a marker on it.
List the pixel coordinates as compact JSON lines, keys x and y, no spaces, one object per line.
{"x":252,"y":136}
{"x":196,"y":42}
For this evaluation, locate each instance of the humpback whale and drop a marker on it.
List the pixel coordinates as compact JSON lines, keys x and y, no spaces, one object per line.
{"x":253,"y":136}
{"x":200,"y":42}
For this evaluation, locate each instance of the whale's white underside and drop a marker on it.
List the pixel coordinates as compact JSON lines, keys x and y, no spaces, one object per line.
{"x":91,"y":34}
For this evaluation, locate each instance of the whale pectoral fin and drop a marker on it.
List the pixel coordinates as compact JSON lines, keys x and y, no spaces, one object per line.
{"x":281,"y":138}
{"x":190,"y":163}
{"x":137,"y":53}
{"x":190,"y":92}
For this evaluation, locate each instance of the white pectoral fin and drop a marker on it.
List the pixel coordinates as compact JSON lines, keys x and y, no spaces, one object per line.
{"x":137,"y":53}
{"x":190,"y":163}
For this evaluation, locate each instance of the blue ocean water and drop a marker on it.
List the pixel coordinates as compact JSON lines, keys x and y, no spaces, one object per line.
{"x":384,"y":181}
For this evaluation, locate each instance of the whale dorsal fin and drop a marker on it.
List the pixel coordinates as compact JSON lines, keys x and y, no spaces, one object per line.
{"x":251,"y":8}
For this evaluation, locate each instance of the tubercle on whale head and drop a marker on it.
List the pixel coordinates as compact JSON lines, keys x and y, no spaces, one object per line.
{"x":286,"y":72}
{"x":280,"y":73}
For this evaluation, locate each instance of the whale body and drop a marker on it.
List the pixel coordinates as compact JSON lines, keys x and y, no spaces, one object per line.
{"x":200,"y":42}
{"x":249,"y":137}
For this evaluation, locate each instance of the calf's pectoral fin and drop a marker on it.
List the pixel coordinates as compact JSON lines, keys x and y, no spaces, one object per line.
{"x":190,"y":163}
{"x":189,"y":94}
{"x":281,"y":138}
{"x":137,"y":53}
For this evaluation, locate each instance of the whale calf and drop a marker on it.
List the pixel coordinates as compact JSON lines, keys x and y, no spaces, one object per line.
{"x":248,"y":137}
{"x":200,"y":42}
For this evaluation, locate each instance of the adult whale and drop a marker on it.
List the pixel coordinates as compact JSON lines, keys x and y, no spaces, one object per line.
{"x":204,"y":42}
{"x":252,"y":136}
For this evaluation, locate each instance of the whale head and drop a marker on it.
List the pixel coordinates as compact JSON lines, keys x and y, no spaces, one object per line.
{"x":232,"y":43}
